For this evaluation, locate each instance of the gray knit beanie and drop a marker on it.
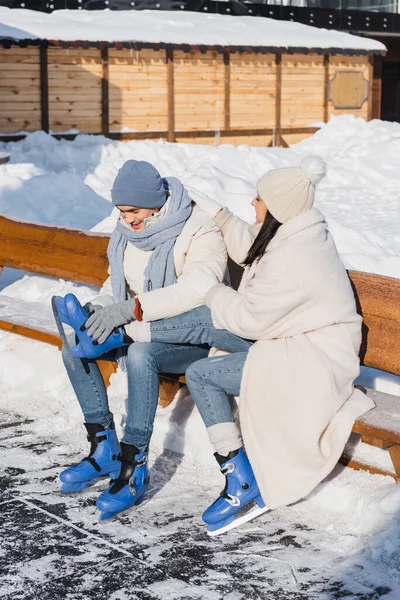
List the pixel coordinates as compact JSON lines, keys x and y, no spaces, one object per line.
{"x":138,"y":184}
{"x":290,"y":191}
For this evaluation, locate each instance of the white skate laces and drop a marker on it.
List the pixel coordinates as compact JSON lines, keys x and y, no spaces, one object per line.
{"x":233,"y":500}
{"x":228,"y":468}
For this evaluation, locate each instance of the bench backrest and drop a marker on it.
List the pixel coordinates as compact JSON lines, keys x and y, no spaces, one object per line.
{"x":378,"y":301}
{"x":81,"y":256}
{"x":65,"y":253}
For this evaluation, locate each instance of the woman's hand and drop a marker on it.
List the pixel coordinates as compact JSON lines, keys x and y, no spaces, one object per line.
{"x":209,"y":205}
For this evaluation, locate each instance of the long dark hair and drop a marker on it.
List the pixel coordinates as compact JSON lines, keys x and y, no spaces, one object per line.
{"x":265,"y":235}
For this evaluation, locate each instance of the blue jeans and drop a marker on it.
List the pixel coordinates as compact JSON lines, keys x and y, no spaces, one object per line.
{"x":176,"y":344}
{"x":196,"y":327}
{"x":211,"y":381}
{"x":145,"y":362}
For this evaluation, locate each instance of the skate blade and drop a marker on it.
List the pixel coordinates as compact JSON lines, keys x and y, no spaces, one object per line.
{"x":249,"y":516}
{"x":62,"y":332}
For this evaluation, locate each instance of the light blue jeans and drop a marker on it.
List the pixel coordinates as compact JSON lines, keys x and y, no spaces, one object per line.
{"x":210,"y":380}
{"x":176,"y":344}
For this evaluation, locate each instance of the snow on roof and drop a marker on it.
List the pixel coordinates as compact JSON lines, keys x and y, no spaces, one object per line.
{"x":173,"y":27}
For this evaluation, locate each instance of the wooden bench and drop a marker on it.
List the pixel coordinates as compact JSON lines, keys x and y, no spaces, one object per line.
{"x":81,"y":257}
{"x":69,"y":254}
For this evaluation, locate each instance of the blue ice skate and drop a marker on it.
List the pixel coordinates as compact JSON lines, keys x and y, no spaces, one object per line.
{"x":240,"y":501}
{"x":128,"y":490}
{"x":102,"y":460}
{"x":69,"y":310}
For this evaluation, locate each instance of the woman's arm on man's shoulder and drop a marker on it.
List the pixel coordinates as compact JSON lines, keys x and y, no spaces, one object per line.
{"x":237,"y":233}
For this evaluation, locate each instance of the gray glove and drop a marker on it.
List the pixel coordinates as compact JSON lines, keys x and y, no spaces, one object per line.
{"x":104,"y":319}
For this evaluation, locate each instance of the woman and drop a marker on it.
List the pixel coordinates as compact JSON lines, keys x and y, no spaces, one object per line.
{"x":169,"y":253}
{"x":297,"y":400}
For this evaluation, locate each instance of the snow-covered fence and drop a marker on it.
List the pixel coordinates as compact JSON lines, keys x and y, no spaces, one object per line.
{"x":274,"y":90}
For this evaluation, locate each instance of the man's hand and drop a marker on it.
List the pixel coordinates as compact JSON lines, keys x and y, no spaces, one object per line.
{"x":104,"y":319}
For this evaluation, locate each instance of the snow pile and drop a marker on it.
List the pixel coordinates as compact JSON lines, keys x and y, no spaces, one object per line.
{"x":173,"y":28}
{"x":68,"y":183}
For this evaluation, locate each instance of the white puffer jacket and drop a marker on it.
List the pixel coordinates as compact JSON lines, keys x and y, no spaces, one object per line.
{"x":200,"y":262}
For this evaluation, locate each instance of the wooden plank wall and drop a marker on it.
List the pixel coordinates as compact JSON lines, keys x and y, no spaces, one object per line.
{"x":252,"y":93}
{"x":138,"y":90}
{"x":191,"y":96}
{"x":303,"y":92}
{"x":199,"y":91}
{"x":74,"y":79}
{"x":20,"y":90}
{"x":350,"y":63}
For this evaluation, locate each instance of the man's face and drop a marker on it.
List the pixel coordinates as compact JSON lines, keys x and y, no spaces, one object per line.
{"x":134,"y":216}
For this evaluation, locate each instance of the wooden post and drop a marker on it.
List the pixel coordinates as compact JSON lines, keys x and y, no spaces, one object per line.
{"x":375,"y":87}
{"x":44,"y":87}
{"x":104,"y":92}
{"x":326,"y":87}
{"x":171,"y":95}
{"x":278,"y":98}
{"x":227,"y":91}
{"x":394,"y":452}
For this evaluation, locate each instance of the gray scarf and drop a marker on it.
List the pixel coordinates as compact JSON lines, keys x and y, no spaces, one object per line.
{"x":159,"y":237}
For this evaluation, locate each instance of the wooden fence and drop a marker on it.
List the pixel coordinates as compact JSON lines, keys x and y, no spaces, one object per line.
{"x":207,"y":96}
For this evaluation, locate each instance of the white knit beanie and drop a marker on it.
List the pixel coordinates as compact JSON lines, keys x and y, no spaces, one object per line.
{"x":290,"y":191}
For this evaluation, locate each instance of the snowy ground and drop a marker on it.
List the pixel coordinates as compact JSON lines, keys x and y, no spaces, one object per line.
{"x":342,"y":542}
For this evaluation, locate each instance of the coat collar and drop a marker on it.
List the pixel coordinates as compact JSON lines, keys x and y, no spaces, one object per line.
{"x":304,"y":221}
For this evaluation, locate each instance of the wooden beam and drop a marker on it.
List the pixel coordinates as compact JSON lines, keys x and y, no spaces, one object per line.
{"x":107,"y":368}
{"x":326,"y":87}
{"x":394,"y":452}
{"x":44,"y":86}
{"x":353,"y":464}
{"x":104,"y":92}
{"x":278,"y":98}
{"x":227,"y":91}
{"x":55,"y":251}
{"x":33,"y":334}
{"x":378,"y":302}
{"x":4,"y":159}
{"x":144,"y":135}
{"x":375,"y":86}
{"x":171,"y":95}
{"x":168,"y":390}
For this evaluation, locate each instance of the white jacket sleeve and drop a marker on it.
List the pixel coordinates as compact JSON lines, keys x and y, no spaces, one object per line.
{"x":238,"y":235}
{"x":105,"y":295}
{"x":256,"y":313}
{"x":204,"y":267}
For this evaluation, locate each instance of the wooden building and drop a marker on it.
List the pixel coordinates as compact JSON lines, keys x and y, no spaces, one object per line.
{"x":207,"y":93}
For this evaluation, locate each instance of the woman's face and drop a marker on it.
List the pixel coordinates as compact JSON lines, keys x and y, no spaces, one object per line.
{"x":260,"y":208}
{"x":134,"y":216}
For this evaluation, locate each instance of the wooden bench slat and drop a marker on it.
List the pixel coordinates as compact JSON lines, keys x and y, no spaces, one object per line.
{"x":381,"y":424}
{"x":34,"y":334}
{"x":378,"y":300}
{"x":64,"y":253}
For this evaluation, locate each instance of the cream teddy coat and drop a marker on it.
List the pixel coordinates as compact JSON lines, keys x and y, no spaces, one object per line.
{"x":200,"y":262}
{"x":297,"y":400}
